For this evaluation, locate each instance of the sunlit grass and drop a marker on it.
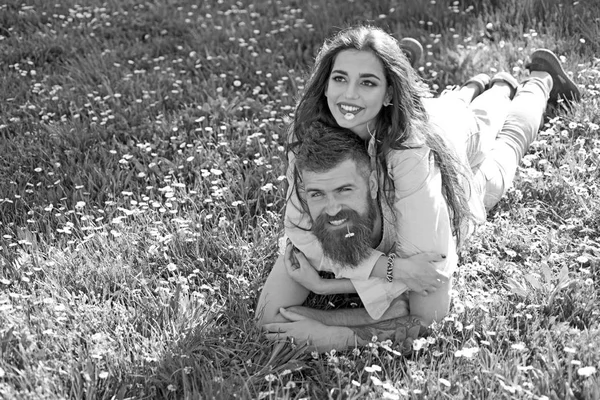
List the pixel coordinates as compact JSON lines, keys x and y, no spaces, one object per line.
{"x":141,"y":192}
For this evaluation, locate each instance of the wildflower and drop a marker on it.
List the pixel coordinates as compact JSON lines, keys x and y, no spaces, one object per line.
{"x":270,"y":378}
{"x":103,"y":375}
{"x":373,"y":368}
{"x":171,"y":267}
{"x":458,"y":325}
{"x":376,"y":381}
{"x":267,"y":188}
{"x":459,"y":307}
{"x":419,"y":343}
{"x":466,"y":352}
{"x":444,"y":382}
{"x":171,"y":388}
{"x":586,"y":371}
{"x":290,"y":385}
{"x":518,"y":347}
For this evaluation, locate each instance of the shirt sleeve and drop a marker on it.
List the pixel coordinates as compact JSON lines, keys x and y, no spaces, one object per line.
{"x":297,"y":225}
{"x":422,"y":215}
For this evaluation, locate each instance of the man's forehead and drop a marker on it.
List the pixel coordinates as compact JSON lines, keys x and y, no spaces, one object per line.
{"x":345,"y":173}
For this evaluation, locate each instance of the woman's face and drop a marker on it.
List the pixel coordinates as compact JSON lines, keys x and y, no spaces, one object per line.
{"x":356,"y":90}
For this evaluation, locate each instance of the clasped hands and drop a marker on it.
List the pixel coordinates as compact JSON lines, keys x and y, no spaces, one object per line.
{"x":302,"y":330}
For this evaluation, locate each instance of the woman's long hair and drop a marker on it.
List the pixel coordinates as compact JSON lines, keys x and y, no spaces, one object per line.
{"x":405,"y":119}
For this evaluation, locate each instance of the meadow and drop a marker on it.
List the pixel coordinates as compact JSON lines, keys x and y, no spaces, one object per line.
{"x":142,"y":187}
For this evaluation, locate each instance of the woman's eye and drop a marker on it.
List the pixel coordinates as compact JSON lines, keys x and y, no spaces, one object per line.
{"x":338,"y":79}
{"x":369,"y":83}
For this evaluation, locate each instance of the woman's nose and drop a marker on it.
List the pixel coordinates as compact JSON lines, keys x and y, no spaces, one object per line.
{"x":351,"y":92}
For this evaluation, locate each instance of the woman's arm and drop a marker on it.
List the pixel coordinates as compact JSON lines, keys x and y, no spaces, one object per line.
{"x":423,"y":221}
{"x":300,"y":270}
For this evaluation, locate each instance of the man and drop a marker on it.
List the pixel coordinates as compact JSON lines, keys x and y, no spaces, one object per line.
{"x":349,"y":217}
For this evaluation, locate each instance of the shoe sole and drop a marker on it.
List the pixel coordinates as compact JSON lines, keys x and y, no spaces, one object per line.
{"x":481,"y":80}
{"x":413,"y":49}
{"x":568,"y":88}
{"x":508,"y":79}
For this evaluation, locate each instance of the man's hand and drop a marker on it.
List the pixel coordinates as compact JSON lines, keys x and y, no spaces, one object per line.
{"x":302,"y":329}
{"x":300,"y":270}
{"x":419,"y":273}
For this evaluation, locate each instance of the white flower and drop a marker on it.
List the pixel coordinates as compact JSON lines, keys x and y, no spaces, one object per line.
{"x":586,"y":371}
{"x":466,"y":352}
{"x":373,"y":368}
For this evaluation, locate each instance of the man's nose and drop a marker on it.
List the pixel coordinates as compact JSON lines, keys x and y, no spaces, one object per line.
{"x":333,"y":207}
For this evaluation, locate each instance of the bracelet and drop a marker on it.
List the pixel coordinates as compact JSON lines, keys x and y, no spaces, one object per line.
{"x":390,"y":267}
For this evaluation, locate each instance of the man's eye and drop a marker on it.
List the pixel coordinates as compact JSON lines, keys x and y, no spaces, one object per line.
{"x":315,"y":194}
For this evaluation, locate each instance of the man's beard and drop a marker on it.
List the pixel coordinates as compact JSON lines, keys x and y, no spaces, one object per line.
{"x":351,"y":244}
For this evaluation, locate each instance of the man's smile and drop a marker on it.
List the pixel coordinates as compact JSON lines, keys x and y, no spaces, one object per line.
{"x":338,"y":222}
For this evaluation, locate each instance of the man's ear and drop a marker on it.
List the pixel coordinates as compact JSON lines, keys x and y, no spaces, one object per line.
{"x":373,"y":184}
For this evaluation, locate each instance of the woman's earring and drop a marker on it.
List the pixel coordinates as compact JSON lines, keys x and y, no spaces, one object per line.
{"x":387,"y":103}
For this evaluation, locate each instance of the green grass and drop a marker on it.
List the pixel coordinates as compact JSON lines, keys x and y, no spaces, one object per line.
{"x":141,"y":194}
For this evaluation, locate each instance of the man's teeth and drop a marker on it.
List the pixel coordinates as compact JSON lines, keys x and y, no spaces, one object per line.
{"x":349,"y":116}
{"x":337,"y":222}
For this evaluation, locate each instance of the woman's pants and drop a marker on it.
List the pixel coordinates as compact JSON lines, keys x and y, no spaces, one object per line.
{"x":492,"y":132}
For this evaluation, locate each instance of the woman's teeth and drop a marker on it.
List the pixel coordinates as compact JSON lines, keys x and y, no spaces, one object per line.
{"x":349,"y":116}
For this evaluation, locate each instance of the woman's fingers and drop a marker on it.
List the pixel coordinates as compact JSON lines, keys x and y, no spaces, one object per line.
{"x":273,"y":328}
{"x":289,"y":258}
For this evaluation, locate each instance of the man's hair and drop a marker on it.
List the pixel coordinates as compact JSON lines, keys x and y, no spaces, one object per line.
{"x":324,"y":147}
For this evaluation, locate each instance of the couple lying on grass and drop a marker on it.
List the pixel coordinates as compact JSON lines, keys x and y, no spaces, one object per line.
{"x":385,"y":184}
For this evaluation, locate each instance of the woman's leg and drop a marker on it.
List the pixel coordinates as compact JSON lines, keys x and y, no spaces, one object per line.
{"x":547,"y":81}
{"x":469,"y":112}
{"x":490,"y":110}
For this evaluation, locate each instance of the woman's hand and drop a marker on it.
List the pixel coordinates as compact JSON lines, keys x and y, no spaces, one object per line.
{"x":300,"y":269}
{"x":419,"y":272}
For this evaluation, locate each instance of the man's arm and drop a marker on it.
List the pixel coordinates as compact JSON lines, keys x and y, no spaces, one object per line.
{"x":321,"y":337}
{"x":352,"y":317}
{"x":279,"y":291}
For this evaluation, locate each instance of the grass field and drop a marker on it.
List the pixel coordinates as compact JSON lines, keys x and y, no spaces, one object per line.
{"x":142,"y":188}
